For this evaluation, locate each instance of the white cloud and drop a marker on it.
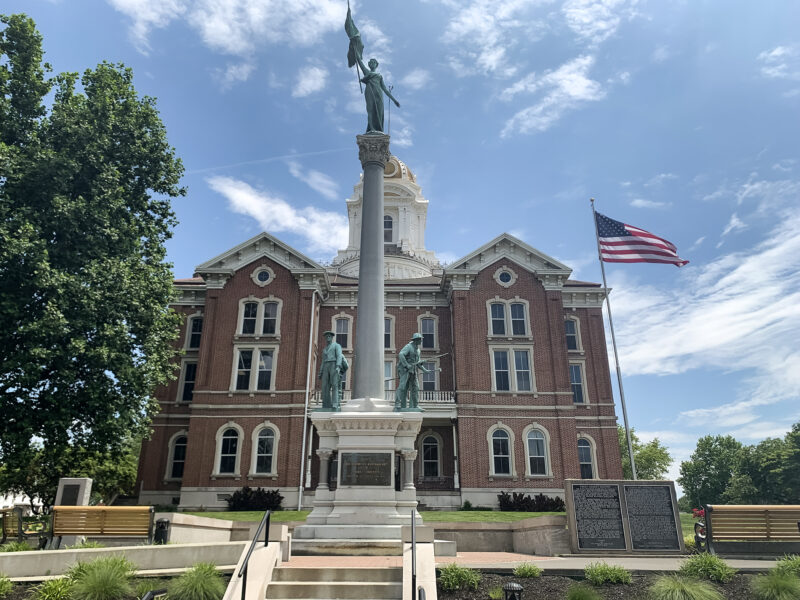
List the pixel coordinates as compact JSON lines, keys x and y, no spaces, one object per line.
{"x":660,"y":179}
{"x":376,"y":43}
{"x":740,"y":312}
{"x":597,"y":20}
{"x":234,"y":73}
{"x":642,"y":203}
{"x":660,"y":54}
{"x":734,"y":224}
{"x":768,"y":195}
{"x":560,"y":91}
{"x":148,"y":15}
{"x":400,"y":130}
{"x":310,"y":79}
{"x":316,"y":180}
{"x":785,"y":165}
{"x":324,"y":231}
{"x":416,"y":79}
{"x":697,"y":243}
{"x":782,"y":62}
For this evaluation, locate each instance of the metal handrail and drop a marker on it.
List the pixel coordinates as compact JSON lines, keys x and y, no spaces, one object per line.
{"x":413,"y":551}
{"x":243,"y":569}
{"x":154,"y":594}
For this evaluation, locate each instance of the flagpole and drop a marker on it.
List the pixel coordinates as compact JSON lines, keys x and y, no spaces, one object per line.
{"x":614,"y":344}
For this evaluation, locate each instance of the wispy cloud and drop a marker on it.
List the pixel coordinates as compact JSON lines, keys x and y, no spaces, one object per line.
{"x":233,"y":73}
{"x":697,"y":243}
{"x":734,"y":224}
{"x":597,"y":20}
{"x":660,"y":54}
{"x":782,"y":62}
{"x":785,"y":165}
{"x":416,"y":79}
{"x":323,"y":231}
{"x":316,"y":180}
{"x":558,"y":91}
{"x":660,"y":179}
{"x":148,"y":15}
{"x":310,"y":79}
{"x":642,"y":203}
{"x":401,"y":131}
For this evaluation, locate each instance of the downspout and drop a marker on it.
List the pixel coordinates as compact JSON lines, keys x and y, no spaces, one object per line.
{"x":301,"y":485}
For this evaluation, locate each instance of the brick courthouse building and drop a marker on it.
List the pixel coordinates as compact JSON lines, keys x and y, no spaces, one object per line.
{"x":522,"y":401}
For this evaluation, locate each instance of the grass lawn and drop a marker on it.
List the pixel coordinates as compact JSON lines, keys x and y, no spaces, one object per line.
{"x":687,"y":524}
{"x":433,"y":516}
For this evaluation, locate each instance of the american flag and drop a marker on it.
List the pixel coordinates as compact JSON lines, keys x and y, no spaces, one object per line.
{"x":628,"y":244}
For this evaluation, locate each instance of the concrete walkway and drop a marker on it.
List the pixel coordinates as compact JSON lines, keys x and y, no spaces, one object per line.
{"x":506,"y":561}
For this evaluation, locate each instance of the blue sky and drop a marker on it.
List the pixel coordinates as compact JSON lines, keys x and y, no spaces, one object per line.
{"x":680,"y":117}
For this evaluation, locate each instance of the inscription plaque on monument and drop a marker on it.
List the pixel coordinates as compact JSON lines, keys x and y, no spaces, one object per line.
{"x":69,"y":494}
{"x":366,"y":468}
{"x":598,"y":514}
{"x":651,"y":517}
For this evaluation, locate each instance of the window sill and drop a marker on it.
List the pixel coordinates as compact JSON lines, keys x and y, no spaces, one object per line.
{"x":529,"y":477}
{"x":511,"y":477}
{"x":252,"y":476}
{"x":235,"y":476}
{"x":259,"y":337}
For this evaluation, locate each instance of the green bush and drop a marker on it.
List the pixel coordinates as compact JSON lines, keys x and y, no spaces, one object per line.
{"x":76,"y":571}
{"x":789,"y":564}
{"x":707,"y":566}
{"x":104,"y":579}
{"x":466,"y":506}
{"x":16,"y":546}
{"x":582,"y":592}
{"x":5,"y":586}
{"x":519,"y":502}
{"x":691,"y":545}
{"x":527,"y":570}
{"x":675,"y":587}
{"x":201,"y":582}
{"x":601,"y":573}
{"x":86,"y":544}
{"x":248,"y":498}
{"x":453,"y":578}
{"x":53,"y":589}
{"x":496,"y":593}
{"x":776,"y":585}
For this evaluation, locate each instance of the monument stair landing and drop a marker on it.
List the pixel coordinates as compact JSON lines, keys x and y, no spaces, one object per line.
{"x":336,"y":583}
{"x":347,"y":547}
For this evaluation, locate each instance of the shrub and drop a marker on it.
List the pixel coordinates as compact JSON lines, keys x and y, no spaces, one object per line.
{"x":707,"y":566}
{"x":201,"y":582}
{"x":675,"y":587}
{"x":691,"y":545}
{"x":87,"y":544}
{"x":143,"y":586}
{"x":53,"y":589}
{"x":776,"y":585}
{"x":5,"y":586}
{"x":103,"y":579}
{"x":248,"y":498}
{"x":466,"y":506}
{"x":789,"y":564}
{"x":16,"y":546}
{"x":600,"y":573}
{"x":582,"y":592}
{"x":453,"y":578}
{"x":527,"y":570}
{"x":519,"y":502}
{"x":496,"y":593}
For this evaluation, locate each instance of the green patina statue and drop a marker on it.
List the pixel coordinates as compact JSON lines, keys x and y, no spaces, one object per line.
{"x":373,"y":81}
{"x":408,"y":362}
{"x":330,"y":372}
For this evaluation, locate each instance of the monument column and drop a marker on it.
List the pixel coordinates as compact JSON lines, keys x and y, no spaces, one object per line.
{"x":408,"y":471}
{"x":373,"y":152}
{"x":324,"y":463}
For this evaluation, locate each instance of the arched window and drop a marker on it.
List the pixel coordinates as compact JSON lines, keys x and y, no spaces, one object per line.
{"x":229,"y":451}
{"x":270,"y":323}
{"x":498,"y":310}
{"x":249,"y":317}
{"x":177,"y":455}
{"x":430,"y":456}
{"x":537,"y":454}
{"x":585,"y":458}
{"x":501,"y":452}
{"x":387,"y":229}
{"x":573,"y":333}
{"x":195,"y":332}
{"x":265,"y":448}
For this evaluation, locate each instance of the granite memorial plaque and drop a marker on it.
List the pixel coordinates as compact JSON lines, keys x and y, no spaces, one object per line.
{"x":651,"y":517}
{"x":366,"y":468}
{"x":598,"y":515}
{"x":69,"y":495}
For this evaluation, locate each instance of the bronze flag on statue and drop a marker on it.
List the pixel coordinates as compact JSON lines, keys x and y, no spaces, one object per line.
{"x":356,"y":45}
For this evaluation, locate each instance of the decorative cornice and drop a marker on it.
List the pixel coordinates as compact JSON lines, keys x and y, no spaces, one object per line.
{"x":373,"y":148}
{"x":590,"y":297}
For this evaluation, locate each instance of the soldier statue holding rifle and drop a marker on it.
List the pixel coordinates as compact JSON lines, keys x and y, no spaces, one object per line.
{"x":408,"y":362}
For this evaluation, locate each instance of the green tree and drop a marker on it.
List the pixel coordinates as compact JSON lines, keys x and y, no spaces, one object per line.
{"x":709,"y":470}
{"x":652,"y":459}
{"x":85,"y":327}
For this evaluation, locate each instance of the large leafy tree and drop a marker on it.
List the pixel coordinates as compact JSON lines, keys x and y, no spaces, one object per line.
{"x":86,"y":177}
{"x":652,"y":459}
{"x":710,"y":469}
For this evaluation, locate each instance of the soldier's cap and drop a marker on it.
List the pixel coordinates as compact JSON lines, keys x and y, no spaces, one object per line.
{"x":416,"y":336}
{"x":329,"y":333}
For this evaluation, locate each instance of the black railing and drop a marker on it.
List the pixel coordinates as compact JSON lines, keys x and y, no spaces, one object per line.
{"x":413,"y":551}
{"x":154,"y":594}
{"x":243,"y":570}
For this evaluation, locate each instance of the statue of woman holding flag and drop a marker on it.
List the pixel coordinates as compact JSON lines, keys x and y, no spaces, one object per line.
{"x":373,"y":81}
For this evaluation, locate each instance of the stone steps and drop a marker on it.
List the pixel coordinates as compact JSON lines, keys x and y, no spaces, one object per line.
{"x":347,"y":547}
{"x":336,"y":583}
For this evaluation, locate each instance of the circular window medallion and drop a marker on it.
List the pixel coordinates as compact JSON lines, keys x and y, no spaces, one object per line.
{"x":262,"y":275}
{"x":505,"y":276}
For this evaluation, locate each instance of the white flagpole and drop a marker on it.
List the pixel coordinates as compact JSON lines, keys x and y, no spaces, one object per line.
{"x":614,"y":344}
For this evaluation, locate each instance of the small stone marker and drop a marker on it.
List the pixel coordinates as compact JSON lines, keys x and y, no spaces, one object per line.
{"x":73,"y":491}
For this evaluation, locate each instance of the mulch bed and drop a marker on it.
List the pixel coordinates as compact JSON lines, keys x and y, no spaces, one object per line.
{"x":549,"y":587}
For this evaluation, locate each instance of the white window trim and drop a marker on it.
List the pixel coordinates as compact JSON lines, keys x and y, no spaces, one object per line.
{"x":510,"y":271}
{"x":582,"y":363}
{"x":511,"y":445}
{"x":436,"y":372}
{"x":393,"y":383}
{"x":251,"y":389}
{"x":182,"y":379}
{"x":395,"y":223}
{"x":593,"y":448}
{"x":392,"y":336}
{"x":512,"y":372}
{"x":257,"y":270}
{"x":548,"y":466}
{"x":237,"y":470}
{"x":343,"y":315}
{"x":171,"y":455}
{"x":254,"y":450}
{"x":188,"y":335}
{"x":579,"y":337}
{"x":421,"y":454}
{"x":259,"y":318}
{"x":428,"y":315}
{"x":507,"y":313}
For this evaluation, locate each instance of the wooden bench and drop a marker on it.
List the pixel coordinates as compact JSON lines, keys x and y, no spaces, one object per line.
{"x":746,"y":529}
{"x":14,"y":526}
{"x":102,"y":521}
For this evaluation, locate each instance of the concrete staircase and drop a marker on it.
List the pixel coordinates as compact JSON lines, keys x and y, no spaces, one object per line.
{"x":336,"y":583}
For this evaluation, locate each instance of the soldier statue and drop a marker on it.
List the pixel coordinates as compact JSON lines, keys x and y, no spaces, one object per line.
{"x":408,"y":362}
{"x":330,"y":372}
